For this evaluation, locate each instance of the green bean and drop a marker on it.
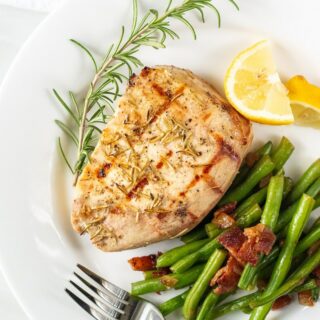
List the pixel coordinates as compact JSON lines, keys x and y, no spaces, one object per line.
{"x":210,"y":301}
{"x":269,"y":259}
{"x":212,"y":230}
{"x":304,"y":182}
{"x":243,"y":302}
{"x":244,"y":170}
{"x":282,"y":153}
{"x":269,"y":218}
{"x":246,"y":310}
{"x":148,"y":274}
{"x":177,"y":281}
{"x":315,"y":224}
{"x":212,"y":266}
{"x":173,"y":255}
{"x":231,"y":306}
{"x":288,"y":186}
{"x":284,"y":260}
{"x":286,"y":216}
{"x":317,"y":203}
{"x":188,"y":261}
{"x":304,"y":244}
{"x":294,"y":280}
{"x":315,"y":293}
{"x":261,"y":169}
{"x":252,"y":215}
{"x":274,"y":198}
{"x":309,"y":285}
{"x":198,"y":233}
{"x":314,"y":189}
{"x":259,"y":197}
{"x":248,"y":216}
{"x":173,"y":304}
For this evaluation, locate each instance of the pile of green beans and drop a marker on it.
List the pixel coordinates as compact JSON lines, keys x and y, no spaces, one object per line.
{"x":278,"y":203}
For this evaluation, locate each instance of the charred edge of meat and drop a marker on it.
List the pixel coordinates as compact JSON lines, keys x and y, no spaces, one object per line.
{"x":102,"y":172}
{"x":132,"y":80}
{"x":145,"y":71}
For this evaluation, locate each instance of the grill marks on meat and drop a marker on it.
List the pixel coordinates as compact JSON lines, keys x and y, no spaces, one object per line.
{"x":247,"y":246}
{"x":227,"y":278}
{"x":160,"y":165}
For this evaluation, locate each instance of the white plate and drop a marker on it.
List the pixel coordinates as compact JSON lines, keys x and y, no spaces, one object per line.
{"x":39,"y":250}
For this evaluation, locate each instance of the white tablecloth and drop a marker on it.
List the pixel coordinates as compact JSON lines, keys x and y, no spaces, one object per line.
{"x":15,"y":27}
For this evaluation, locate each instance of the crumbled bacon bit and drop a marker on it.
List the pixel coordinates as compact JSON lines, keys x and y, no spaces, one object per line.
{"x":168,"y":281}
{"x":232,"y":240}
{"x":316,"y":272}
{"x":265,"y":181}
{"x":305,"y":298}
{"x":158,"y":273}
{"x":314,"y":248}
{"x":261,"y":284}
{"x":144,"y":263}
{"x":247,"y":246}
{"x":222,"y":220}
{"x":281,"y":302}
{"x":228,"y":208}
{"x":260,"y":240}
{"x":227,"y":277}
{"x":251,"y":159}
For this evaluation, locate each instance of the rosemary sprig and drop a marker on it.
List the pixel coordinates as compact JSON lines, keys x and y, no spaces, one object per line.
{"x":117,"y":66}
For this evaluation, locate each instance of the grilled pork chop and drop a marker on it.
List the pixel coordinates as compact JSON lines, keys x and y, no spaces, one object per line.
{"x":162,"y":163}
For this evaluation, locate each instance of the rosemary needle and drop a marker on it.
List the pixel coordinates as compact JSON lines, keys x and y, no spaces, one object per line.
{"x":117,"y":66}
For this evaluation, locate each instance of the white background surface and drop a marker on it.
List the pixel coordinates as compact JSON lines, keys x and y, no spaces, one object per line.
{"x":15,"y":26}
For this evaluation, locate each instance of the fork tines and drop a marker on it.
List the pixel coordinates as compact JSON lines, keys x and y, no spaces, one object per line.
{"x":100,"y":298}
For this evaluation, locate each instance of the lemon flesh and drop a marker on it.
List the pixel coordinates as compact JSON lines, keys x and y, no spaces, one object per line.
{"x":305,"y":101}
{"x":254,"y":88}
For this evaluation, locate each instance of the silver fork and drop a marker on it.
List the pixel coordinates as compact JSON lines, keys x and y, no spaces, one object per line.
{"x":106,"y":301}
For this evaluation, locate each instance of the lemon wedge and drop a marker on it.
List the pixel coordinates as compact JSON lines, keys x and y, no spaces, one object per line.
{"x":254,"y":88}
{"x":305,"y":101}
